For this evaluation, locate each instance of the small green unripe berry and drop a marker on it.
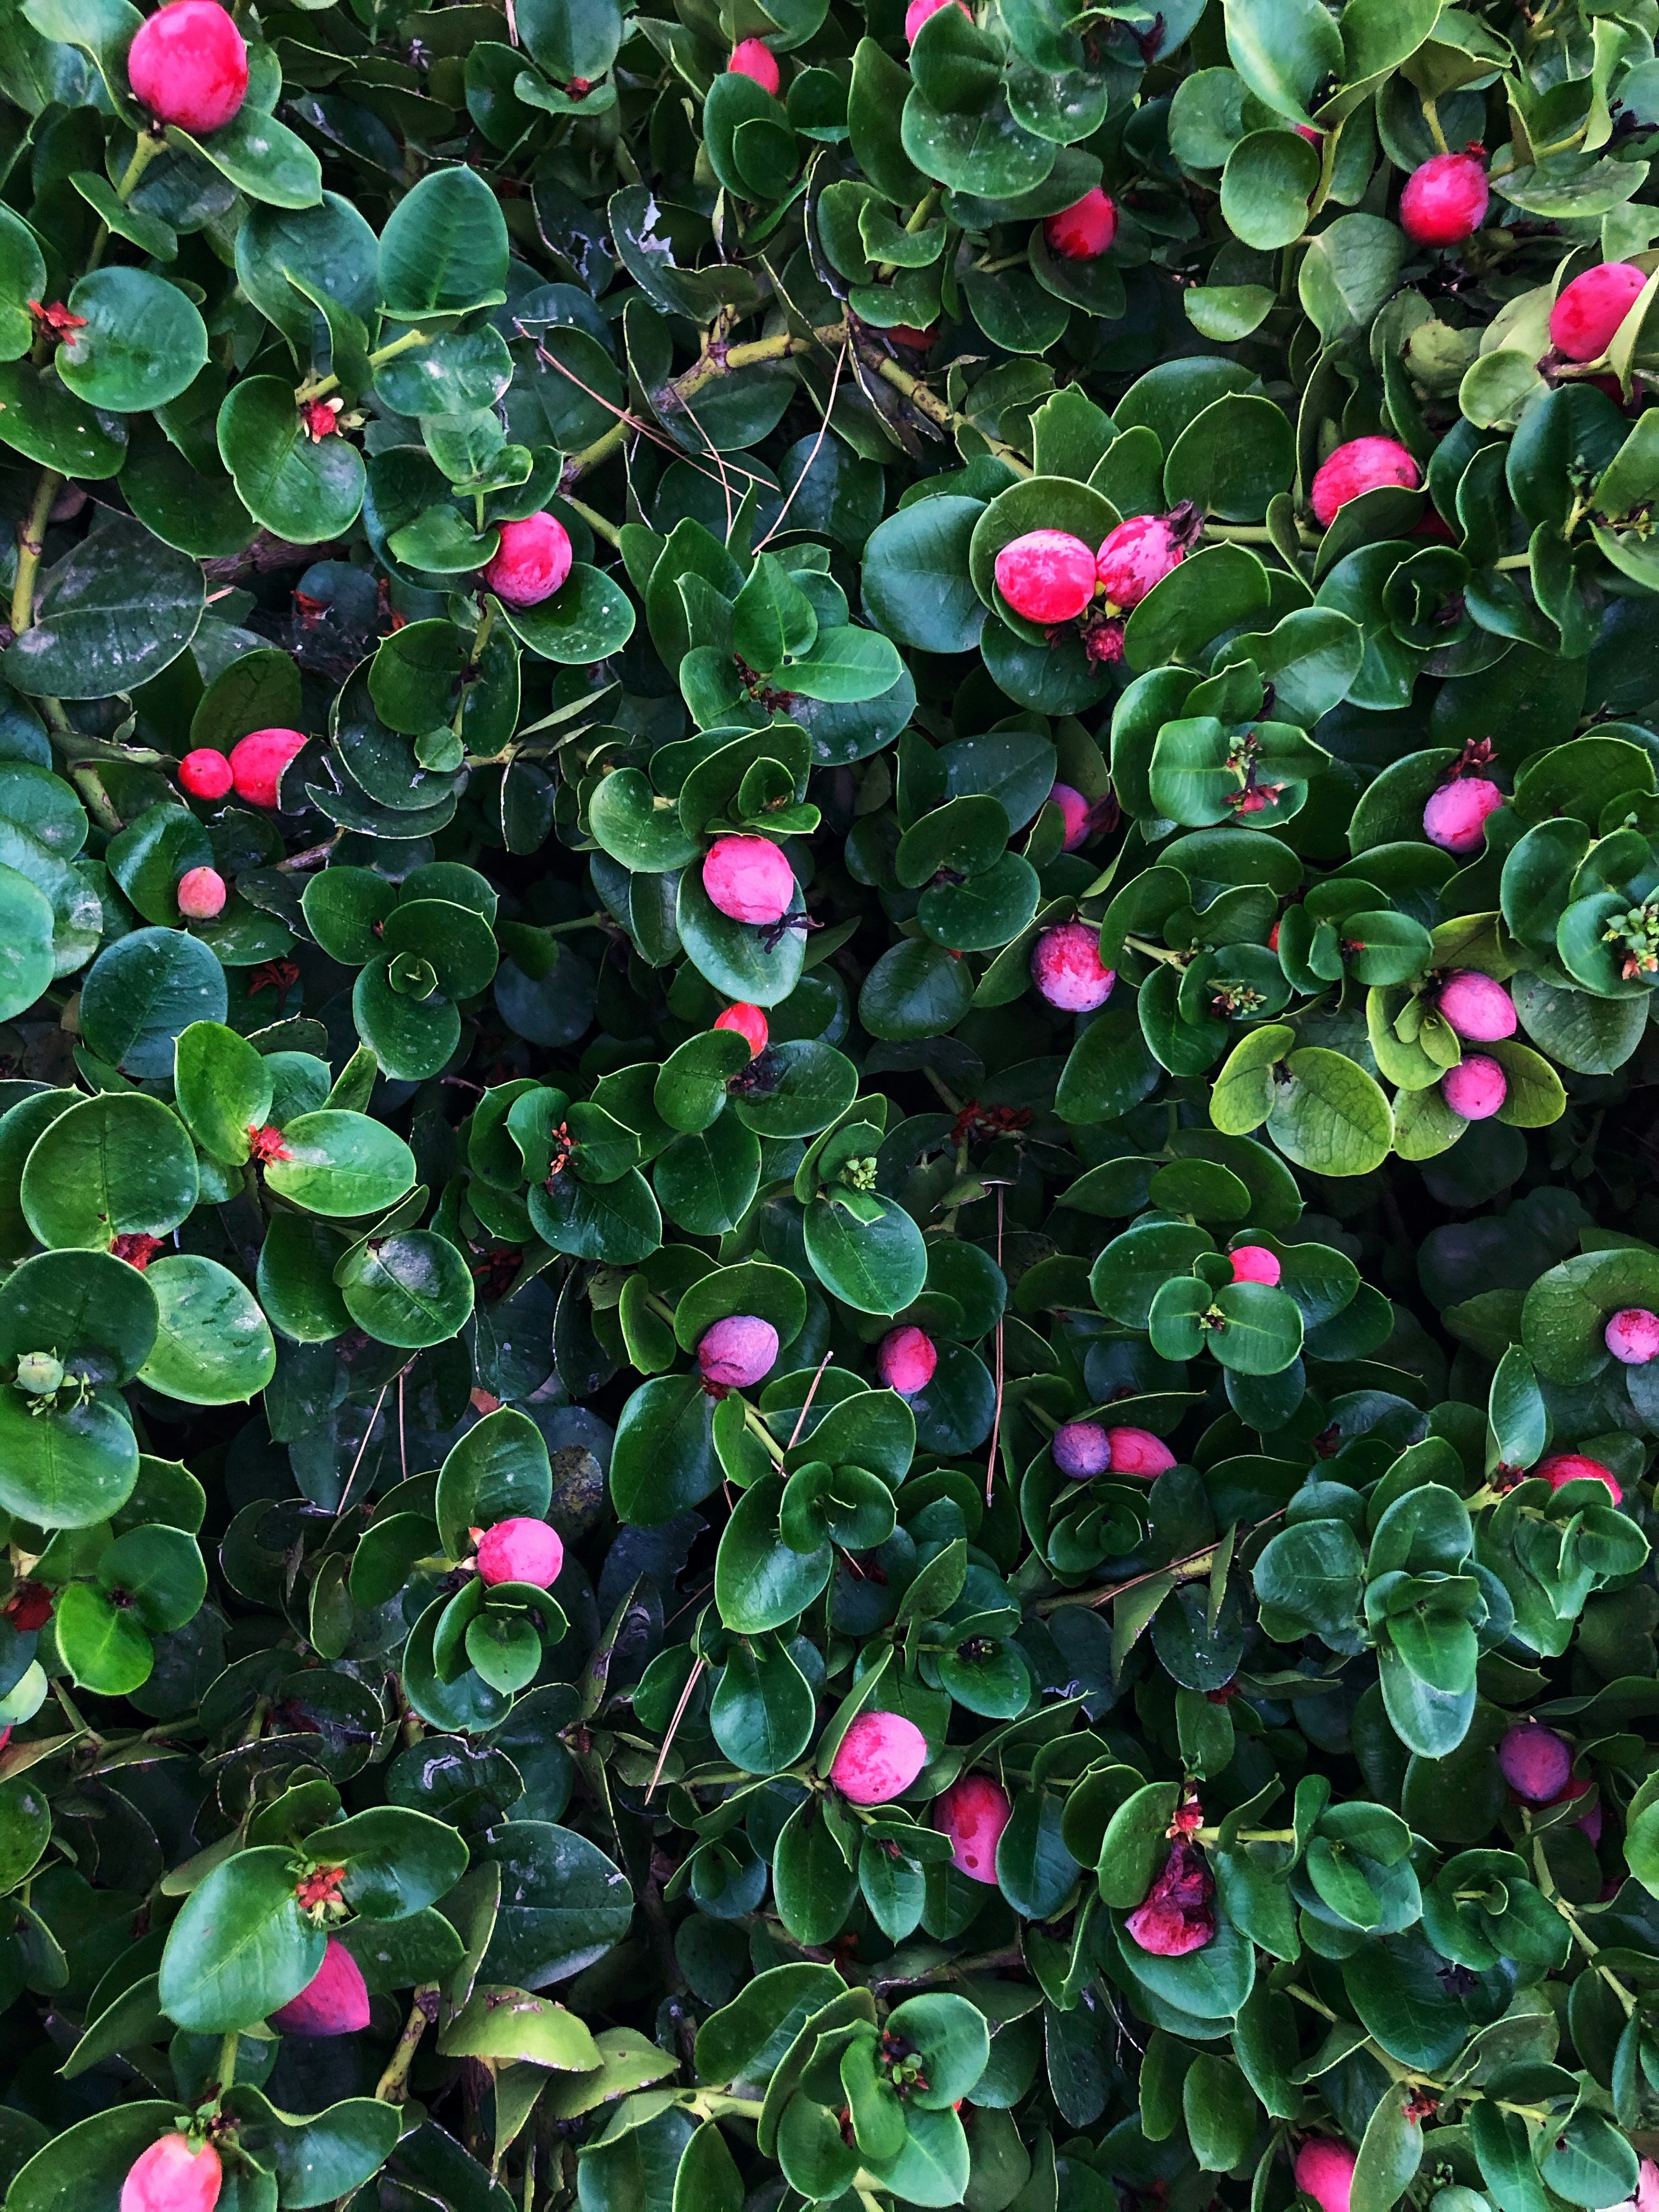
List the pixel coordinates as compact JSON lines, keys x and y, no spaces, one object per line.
{"x":39,"y":1373}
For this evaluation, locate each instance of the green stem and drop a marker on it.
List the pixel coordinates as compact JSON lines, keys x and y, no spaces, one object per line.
{"x":393,"y":2088}
{"x":228,"y":2058}
{"x":1431,"y":116}
{"x":30,"y":544}
{"x":1254,"y":533}
{"x":150,"y":144}
{"x":318,"y":387}
{"x":475,"y":654}
{"x":1586,"y":1942}
{"x":601,"y":525}
{"x":1513,"y":561}
{"x":752,"y":1420}
{"x":601,"y":450}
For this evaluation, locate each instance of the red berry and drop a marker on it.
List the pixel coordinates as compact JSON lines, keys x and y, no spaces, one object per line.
{"x":754,"y":58}
{"x":1585,"y":319}
{"x":1445,"y":201}
{"x":257,"y":762}
{"x":1138,"y":1452}
{"x":1360,"y":465}
{"x":532,"y":561}
{"x":1067,"y":969}
{"x":334,"y":2002}
{"x":749,"y":1023}
{"x":1577,"y":1466}
{"x":880,"y":1756}
{"x":1075,"y":812}
{"x":205,"y":774}
{"x":1081,"y":1450}
{"x":188,"y":66}
{"x":1476,"y":1007}
{"x":1476,"y":1089}
{"x":1047,"y":576}
{"x":171,"y":2176}
{"x":737,"y":1351}
{"x":1535,"y":1762}
{"x":972,"y":1812}
{"x":1633,"y":1336}
{"x":1142,"y":551}
{"x":1306,"y":130}
{"x":1456,"y":816}
{"x":749,"y":880}
{"x":917,"y":14}
{"x":903,"y":334}
{"x":905,"y":1360}
{"x":1646,"y":2198}
{"x":1083,"y":231}
{"x":1324,"y":2171}
{"x":1255,"y":1263}
{"x":521,"y":1550}
{"x":201,"y":894}
{"x":1177,"y":1917}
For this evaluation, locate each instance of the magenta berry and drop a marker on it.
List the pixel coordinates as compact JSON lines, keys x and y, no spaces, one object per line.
{"x":1445,"y":200}
{"x":749,"y":880}
{"x":171,"y":2176}
{"x":1633,"y":1336}
{"x":1590,"y":1823}
{"x":1577,"y":1466}
{"x":521,"y":1550}
{"x":1476,"y":1007}
{"x":1142,"y":551}
{"x":334,"y":2002}
{"x":188,"y":66}
{"x":1255,"y":1263}
{"x":1585,"y":319}
{"x":1324,"y":2171}
{"x":972,"y":1812}
{"x":914,"y":16}
{"x":1047,"y":576}
{"x":1177,"y":1916}
{"x":1138,"y":1452}
{"x":201,"y":894}
{"x":533,"y":558}
{"x":258,"y":760}
{"x":905,"y":1359}
{"x":1083,"y":231}
{"x":1075,"y":812}
{"x":1535,"y":1762}
{"x":1067,"y":969}
{"x":1359,"y":467}
{"x":1456,"y":816}
{"x":737,"y":1351}
{"x":1081,"y":1448}
{"x":1476,"y":1089}
{"x":205,"y":774}
{"x":748,"y":1022}
{"x":880,"y":1756}
{"x":754,"y":58}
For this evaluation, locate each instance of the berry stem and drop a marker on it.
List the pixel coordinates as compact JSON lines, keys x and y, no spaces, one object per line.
{"x":228,"y":2058}
{"x":30,"y":544}
{"x":392,"y":2087}
{"x":318,"y":387}
{"x":1431,"y":116}
{"x":598,"y":524}
{"x":150,"y":144}
{"x":1254,"y":533}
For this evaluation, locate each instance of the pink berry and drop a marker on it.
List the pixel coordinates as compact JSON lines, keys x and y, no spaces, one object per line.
{"x":1360,"y":465}
{"x":1324,"y":2171}
{"x":258,"y":760}
{"x":973,"y":1812}
{"x":1067,"y":969}
{"x":533,"y":558}
{"x":1075,"y":812}
{"x":1138,"y":1452}
{"x":1081,"y":1450}
{"x":754,"y":58}
{"x":1255,"y":1263}
{"x":1177,"y":1916}
{"x":1590,"y":1823}
{"x":749,"y":880}
{"x":1535,"y":1762}
{"x":1476,"y":1007}
{"x":1633,"y":1336}
{"x":737,"y":1351}
{"x":1306,"y":130}
{"x":1047,"y":576}
{"x":1445,"y":200}
{"x":1586,"y":318}
{"x":1577,"y":1466}
{"x":201,"y":894}
{"x":880,"y":1756}
{"x":188,"y":66}
{"x":1083,"y":231}
{"x":171,"y":2176}
{"x":748,"y":1023}
{"x":1456,"y":816}
{"x":905,"y":1359}
{"x":1142,"y":551}
{"x":205,"y":774}
{"x":334,"y":2002}
{"x":521,"y":1550}
{"x":914,"y":16}
{"x":1476,"y":1089}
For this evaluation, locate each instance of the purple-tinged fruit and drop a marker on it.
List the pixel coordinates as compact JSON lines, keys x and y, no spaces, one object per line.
{"x":334,"y":2002}
{"x":1324,"y":2171}
{"x":1476,"y":1088}
{"x":972,"y":1812}
{"x":749,"y":880}
{"x":880,"y":1756}
{"x":1081,"y":1448}
{"x":1455,"y":817}
{"x":736,"y":1351}
{"x":1177,"y":1917}
{"x":1535,"y":1762}
{"x":1068,"y":968}
{"x":1138,"y":1452}
{"x":1633,"y":1336}
{"x":1476,"y":1007}
{"x":905,"y":1359}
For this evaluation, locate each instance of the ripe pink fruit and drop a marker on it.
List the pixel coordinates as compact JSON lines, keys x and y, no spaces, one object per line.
{"x":1476,"y":1089}
{"x":1177,"y":1916}
{"x":1633,"y":1336}
{"x":1138,"y":1452}
{"x":1445,"y":201}
{"x":1255,"y":1263}
{"x":1066,"y":967}
{"x":521,"y":1550}
{"x":754,"y":58}
{"x":1456,"y":816}
{"x":1324,"y":2171}
{"x":171,"y":2176}
{"x":1142,"y":551}
{"x":905,"y":1359}
{"x":258,"y":760}
{"x":205,"y":774}
{"x":1585,"y":319}
{"x":914,"y":16}
{"x":1081,"y":1448}
{"x":334,"y":2002}
{"x":1476,"y":1007}
{"x":880,"y":1756}
{"x":748,"y":879}
{"x":1083,"y":231}
{"x":973,"y":1812}
{"x":188,"y":66}
{"x":1535,"y":1762}
{"x":737,"y":1351}
{"x":749,"y":1023}
{"x":1047,"y":576}
{"x":1360,"y":465}
{"x":533,"y":558}
{"x":201,"y":894}
{"x":1576,"y":1467}
{"x":1075,"y":812}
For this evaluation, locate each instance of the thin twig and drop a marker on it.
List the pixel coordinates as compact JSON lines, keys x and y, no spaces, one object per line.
{"x":1116,"y":1589}
{"x":806,"y":1406}
{"x":996,"y":1418}
{"x":823,"y":432}
{"x":679,"y":1714}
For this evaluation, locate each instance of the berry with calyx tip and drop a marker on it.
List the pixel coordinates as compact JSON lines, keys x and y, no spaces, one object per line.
{"x":917,"y":14}
{"x":533,"y":558}
{"x":1577,"y":1466}
{"x":1476,"y":1007}
{"x":1445,"y":200}
{"x":334,"y":2002}
{"x":39,"y":1373}
{"x":736,"y":1351}
{"x":1141,"y":552}
{"x":521,"y":1550}
{"x":905,"y":1359}
{"x":1075,"y":812}
{"x":1255,"y":1263}
{"x":1476,"y":1089}
{"x":748,"y":1022}
{"x":188,"y":66}
{"x":880,"y":1756}
{"x":1360,"y":466}
{"x":1138,"y":1452}
{"x":205,"y":774}
{"x":1455,"y":817}
{"x":1633,"y":1336}
{"x":972,"y":1812}
{"x":201,"y":894}
{"x":1535,"y":1762}
{"x":1068,"y":968}
{"x":1047,"y":576}
{"x":258,"y":760}
{"x":1083,"y":231}
{"x":1081,"y":1448}
{"x":1324,"y":2171}
{"x":1177,"y":1917}
{"x":754,"y":58}
{"x":749,"y":880}
{"x":1585,"y":319}
{"x":171,"y":2176}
